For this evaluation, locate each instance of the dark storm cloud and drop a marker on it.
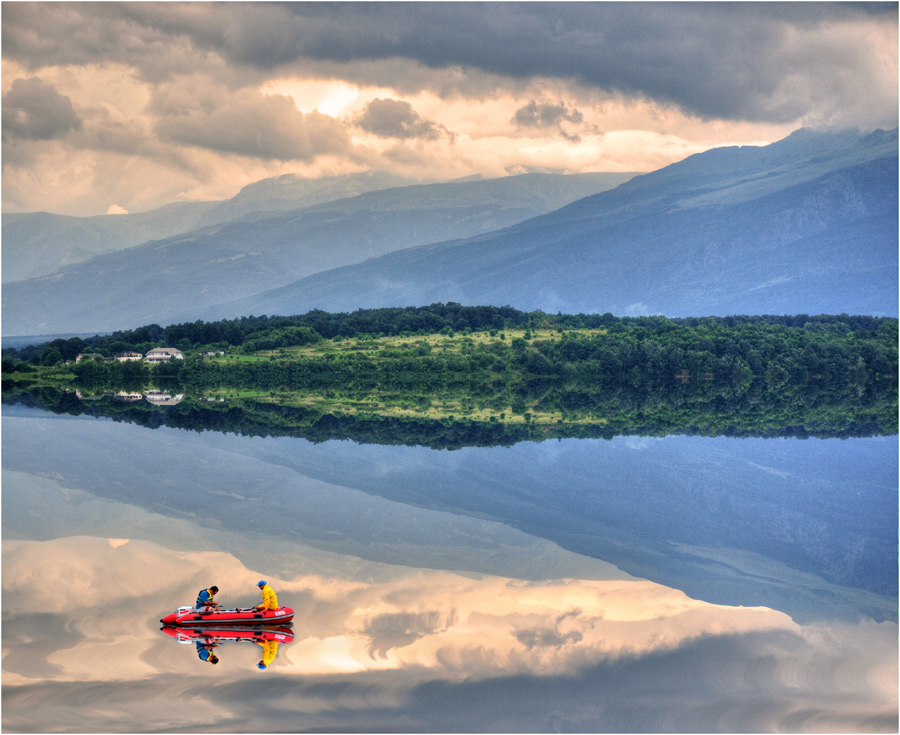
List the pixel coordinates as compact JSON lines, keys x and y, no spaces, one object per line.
{"x":534,"y":115}
{"x":262,"y":126}
{"x":546,"y":116}
{"x":36,"y":111}
{"x":725,"y":60}
{"x":397,"y":119}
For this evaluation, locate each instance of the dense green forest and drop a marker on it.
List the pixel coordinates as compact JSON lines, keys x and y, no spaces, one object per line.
{"x":268,"y":332}
{"x":433,"y":374}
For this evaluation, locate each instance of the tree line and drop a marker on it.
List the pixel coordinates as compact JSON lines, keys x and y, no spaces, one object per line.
{"x":449,"y":318}
{"x":768,"y":369}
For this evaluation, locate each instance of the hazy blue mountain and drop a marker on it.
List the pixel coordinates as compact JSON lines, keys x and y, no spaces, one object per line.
{"x":38,"y":243}
{"x":805,"y":225}
{"x":290,"y":191}
{"x":177,"y":278}
{"x":35,"y":244}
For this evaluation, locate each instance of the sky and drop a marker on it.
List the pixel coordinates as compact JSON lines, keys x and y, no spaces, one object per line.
{"x":124,"y":107}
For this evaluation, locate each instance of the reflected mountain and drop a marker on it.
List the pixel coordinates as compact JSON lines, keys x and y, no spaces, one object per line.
{"x":804,"y":527}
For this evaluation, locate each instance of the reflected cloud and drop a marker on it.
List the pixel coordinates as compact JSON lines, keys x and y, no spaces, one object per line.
{"x":413,"y":644}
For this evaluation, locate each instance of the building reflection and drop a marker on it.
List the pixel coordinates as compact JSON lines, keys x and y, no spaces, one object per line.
{"x":153,"y":396}
{"x":163,"y":398}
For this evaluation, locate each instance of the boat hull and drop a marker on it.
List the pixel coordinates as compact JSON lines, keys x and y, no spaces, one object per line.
{"x":210,"y":634}
{"x":192,"y":618}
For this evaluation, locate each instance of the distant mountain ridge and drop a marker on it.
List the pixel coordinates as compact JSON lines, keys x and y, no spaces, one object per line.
{"x":291,"y":191}
{"x":176,"y":278}
{"x":805,"y":225}
{"x":38,"y":243}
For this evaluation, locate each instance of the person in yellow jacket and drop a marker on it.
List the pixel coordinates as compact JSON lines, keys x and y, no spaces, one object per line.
{"x":270,"y":651}
{"x":269,"y":601}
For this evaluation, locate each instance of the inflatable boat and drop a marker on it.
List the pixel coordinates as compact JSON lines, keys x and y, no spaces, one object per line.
{"x":189,"y":617}
{"x":237,"y":633}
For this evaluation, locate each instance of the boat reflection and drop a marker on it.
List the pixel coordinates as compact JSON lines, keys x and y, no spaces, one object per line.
{"x":208,"y":639}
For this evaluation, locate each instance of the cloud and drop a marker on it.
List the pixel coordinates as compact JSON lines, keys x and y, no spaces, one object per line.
{"x":546,"y":637}
{"x":178,"y":90}
{"x":766,"y":681}
{"x":261,"y":126}
{"x":33,"y":110}
{"x":389,"y":631}
{"x":548,"y":116}
{"x":522,"y":655}
{"x":388,"y":118}
{"x":757,"y":61}
{"x":545,"y":115}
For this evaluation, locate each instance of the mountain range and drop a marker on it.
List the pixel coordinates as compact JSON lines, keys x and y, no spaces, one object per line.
{"x":805,"y":225}
{"x":276,"y":238}
{"x":38,"y":243}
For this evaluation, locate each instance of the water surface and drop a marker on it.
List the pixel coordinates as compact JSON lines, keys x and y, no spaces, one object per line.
{"x":628,"y":585}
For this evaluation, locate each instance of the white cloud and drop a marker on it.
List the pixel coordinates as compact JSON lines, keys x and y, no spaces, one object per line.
{"x":198,"y":99}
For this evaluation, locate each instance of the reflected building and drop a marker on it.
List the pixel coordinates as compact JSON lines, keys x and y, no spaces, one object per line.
{"x":81,"y":395}
{"x":163,"y":398}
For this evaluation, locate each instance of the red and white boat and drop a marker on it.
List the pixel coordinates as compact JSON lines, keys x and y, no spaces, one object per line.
{"x":236,"y":633}
{"x":189,"y":617}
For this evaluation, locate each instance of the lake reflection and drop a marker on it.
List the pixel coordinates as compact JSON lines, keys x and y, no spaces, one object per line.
{"x":684,"y":584}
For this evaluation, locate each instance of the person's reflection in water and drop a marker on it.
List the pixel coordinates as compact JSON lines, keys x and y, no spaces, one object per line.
{"x":270,"y":651}
{"x":205,"y":651}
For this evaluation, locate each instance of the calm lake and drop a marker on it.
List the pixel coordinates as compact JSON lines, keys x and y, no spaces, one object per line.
{"x":686,"y":584}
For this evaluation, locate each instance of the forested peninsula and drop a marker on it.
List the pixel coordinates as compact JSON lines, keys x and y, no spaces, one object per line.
{"x":390,"y":372}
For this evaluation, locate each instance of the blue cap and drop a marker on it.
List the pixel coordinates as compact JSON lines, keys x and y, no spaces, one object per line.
{"x":260,"y":583}
{"x":261,"y":666}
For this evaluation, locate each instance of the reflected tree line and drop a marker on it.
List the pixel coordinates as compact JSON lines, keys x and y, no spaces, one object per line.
{"x":626,"y":414}
{"x":498,"y":376}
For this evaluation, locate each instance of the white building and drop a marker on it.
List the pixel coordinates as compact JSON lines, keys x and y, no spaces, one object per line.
{"x":163,"y":354}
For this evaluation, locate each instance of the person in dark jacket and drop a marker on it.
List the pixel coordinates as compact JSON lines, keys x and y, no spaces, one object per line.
{"x":205,"y":602}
